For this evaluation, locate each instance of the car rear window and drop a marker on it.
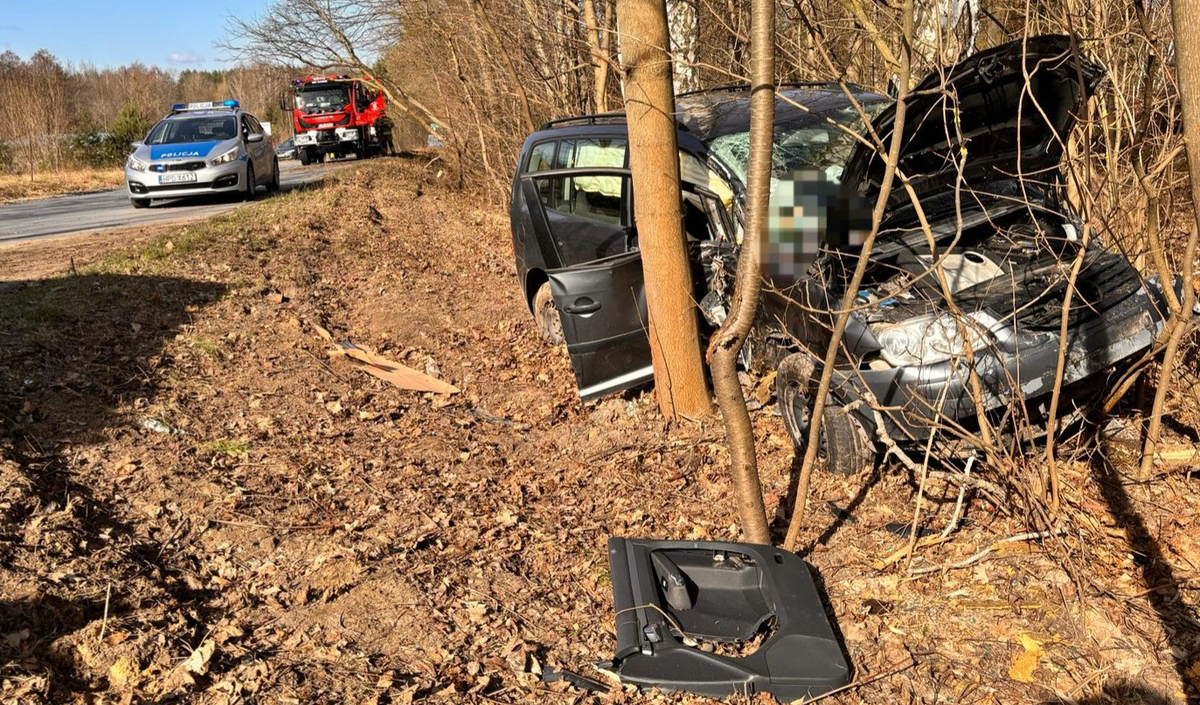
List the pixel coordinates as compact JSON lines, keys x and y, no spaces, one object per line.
{"x":541,"y":157}
{"x":590,"y":152}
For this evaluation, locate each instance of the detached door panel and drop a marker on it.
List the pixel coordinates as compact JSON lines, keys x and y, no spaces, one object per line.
{"x":603,"y":309}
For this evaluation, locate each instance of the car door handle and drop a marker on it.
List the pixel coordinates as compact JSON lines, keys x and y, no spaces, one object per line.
{"x":583,"y":305}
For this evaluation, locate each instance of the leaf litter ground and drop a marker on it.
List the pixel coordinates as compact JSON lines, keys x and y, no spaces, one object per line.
{"x":199,"y":505}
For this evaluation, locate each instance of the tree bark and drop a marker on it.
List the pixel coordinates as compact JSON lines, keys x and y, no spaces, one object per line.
{"x":654,"y":162}
{"x":683,"y":21}
{"x":598,"y":52}
{"x":1187,"y":67}
{"x":723,"y":351}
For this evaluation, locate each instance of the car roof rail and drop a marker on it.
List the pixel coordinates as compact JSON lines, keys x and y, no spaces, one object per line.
{"x":597,"y":119}
{"x":732,"y":87}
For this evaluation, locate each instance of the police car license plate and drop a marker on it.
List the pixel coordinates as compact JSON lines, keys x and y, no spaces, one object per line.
{"x":176,"y":178}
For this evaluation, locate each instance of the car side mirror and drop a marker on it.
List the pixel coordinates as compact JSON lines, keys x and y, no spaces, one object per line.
{"x":255,"y":137}
{"x":136,"y":145}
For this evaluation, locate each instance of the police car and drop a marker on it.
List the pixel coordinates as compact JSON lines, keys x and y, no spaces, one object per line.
{"x":202,"y":149}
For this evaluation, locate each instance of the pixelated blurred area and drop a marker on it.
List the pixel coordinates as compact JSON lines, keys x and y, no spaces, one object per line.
{"x":809,"y":211}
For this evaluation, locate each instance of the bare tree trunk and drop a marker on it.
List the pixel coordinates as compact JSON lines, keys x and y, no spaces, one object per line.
{"x":1187,"y":66}
{"x":654,"y":162}
{"x":725,"y":345}
{"x":598,"y":50}
{"x":683,"y":20}
{"x":843,"y":314}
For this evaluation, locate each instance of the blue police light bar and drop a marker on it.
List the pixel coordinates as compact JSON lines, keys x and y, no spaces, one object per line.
{"x":206,"y":105}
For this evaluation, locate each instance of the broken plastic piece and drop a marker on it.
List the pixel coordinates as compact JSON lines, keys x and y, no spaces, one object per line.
{"x":553,"y":675}
{"x":735,"y":592}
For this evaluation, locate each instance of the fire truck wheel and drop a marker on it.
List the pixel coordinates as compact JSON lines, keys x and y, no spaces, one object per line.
{"x":305,"y":157}
{"x":251,"y":184}
{"x":274,"y":185}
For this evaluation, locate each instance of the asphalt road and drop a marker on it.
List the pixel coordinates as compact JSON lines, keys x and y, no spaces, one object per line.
{"x":111,"y":209}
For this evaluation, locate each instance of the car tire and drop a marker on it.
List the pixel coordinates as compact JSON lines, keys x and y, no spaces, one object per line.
{"x":140,"y":202}
{"x":251,"y":184}
{"x":274,"y":185}
{"x":845,"y":448}
{"x":549,"y":323}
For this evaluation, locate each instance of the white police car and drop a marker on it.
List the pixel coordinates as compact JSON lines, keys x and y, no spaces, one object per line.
{"x":201,"y":149}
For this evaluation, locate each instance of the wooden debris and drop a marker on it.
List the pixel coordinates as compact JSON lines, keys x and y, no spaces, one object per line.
{"x":390,"y":371}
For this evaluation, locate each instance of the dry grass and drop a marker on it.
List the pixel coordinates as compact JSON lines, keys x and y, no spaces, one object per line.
{"x":19,"y":187}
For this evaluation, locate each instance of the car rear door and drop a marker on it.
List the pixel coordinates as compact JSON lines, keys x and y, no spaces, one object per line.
{"x":603,"y":309}
{"x":595,"y":278}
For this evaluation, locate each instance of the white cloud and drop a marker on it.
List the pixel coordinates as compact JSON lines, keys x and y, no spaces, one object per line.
{"x":184,"y":58}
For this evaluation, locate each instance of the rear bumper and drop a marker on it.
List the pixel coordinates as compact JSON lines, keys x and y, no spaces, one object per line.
{"x":216,"y":179}
{"x":1021,"y":365}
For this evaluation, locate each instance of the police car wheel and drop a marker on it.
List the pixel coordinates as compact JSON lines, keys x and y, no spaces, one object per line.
{"x":251,"y":184}
{"x":274,"y":185}
{"x":140,"y":202}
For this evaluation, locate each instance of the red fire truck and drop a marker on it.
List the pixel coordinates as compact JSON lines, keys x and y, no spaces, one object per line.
{"x":339,"y":115}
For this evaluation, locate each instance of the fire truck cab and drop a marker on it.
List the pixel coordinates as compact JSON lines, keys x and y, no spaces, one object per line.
{"x":337,"y":116}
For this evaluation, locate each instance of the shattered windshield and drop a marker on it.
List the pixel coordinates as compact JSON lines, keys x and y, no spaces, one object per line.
{"x":803,"y":141}
{"x":198,"y":129}
{"x":323,"y":98}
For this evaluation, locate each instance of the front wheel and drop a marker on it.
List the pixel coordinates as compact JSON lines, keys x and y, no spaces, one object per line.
{"x":251,"y":184}
{"x":140,"y":202}
{"x":844,"y":446}
{"x":305,"y":157}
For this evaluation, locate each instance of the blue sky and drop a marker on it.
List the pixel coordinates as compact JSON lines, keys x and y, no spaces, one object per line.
{"x":172,"y":34}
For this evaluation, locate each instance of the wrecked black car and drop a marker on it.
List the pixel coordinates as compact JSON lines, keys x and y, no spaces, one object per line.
{"x":956,"y":316}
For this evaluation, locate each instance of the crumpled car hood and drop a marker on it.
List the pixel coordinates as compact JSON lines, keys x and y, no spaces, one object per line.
{"x":985,"y":119}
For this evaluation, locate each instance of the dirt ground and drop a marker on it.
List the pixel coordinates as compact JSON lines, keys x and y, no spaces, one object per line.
{"x":18,"y":187}
{"x":197,"y":504}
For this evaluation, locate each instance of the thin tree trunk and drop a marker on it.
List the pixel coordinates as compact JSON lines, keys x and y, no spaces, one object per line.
{"x":843,"y":315}
{"x":598,"y":51}
{"x":654,"y":162}
{"x":1187,"y":66}
{"x":683,"y":20}
{"x":723,"y":351}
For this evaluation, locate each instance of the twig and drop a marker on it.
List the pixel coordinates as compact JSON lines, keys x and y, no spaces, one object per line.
{"x":104,"y":624}
{"x":962,"y":492}
{"x":1030,"y":536}
{"x":861,"y":682}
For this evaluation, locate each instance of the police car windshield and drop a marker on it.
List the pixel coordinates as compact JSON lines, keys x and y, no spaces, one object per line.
{"x":323,"y":98}
{"x":194,"y":129}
